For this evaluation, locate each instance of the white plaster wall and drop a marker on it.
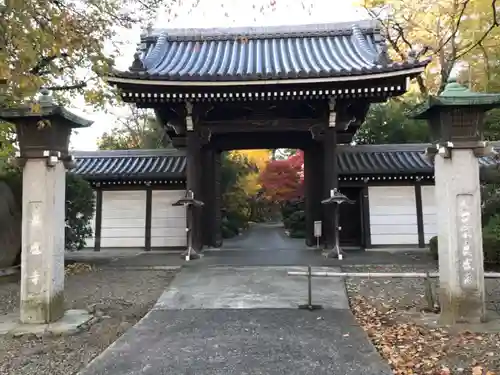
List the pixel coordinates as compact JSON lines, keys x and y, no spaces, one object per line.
{"x":429,"y":212}
{"x":123,"y":218}
{"x":393,"y":215}
{"x":168,"y":223}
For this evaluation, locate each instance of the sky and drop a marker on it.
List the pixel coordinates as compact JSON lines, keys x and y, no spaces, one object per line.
{"x":214,"y":13}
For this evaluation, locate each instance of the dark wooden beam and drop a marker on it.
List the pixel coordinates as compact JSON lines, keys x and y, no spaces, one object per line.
{"x":149,"y":209}
{"x":365,"y":207}
{"x":263,"y":125}
{"x":313,"y":170}
{"x":209,"y":198}
{"x":218,"y":198}
{"x":98,"y":220}
{"x":193,"y":182}
{"x":330,"y":182}
{"x":420,"y":215}
{"x":269,"y":140}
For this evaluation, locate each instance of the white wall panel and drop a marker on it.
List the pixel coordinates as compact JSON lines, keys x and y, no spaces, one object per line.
{"x":393,"y":215}
{"x":123,"y":218}
{"x":168,"y":223}
{"x":429,"y":212}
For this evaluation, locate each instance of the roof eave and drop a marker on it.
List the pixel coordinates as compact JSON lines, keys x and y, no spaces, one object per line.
{"x":142,"y":79}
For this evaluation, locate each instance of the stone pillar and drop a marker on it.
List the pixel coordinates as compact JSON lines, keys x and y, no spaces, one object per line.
{"x":43,"y":131}
{"x":455,"y":119}
{"x":42,"y":257}
{"x":313,"y":173}
{"x":460,"y":245}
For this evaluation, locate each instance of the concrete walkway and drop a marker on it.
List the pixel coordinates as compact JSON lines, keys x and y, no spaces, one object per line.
{"x":243,"y":320}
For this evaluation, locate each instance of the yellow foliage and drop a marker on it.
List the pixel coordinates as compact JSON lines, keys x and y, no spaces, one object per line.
{"x":453,"y":31}
{"x":250,"y":183}
{"x":257,"y":157}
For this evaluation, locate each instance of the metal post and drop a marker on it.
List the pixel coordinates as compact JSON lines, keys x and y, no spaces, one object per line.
{"x":309,"y":306}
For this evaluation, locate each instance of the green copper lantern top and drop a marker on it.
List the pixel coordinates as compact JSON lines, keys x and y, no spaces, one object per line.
{"x":455,"y":95}
{"x":44,"y":108}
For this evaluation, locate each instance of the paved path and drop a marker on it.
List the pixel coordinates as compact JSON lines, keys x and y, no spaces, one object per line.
{"x":238,"y":321}
{"x":234,"y":312}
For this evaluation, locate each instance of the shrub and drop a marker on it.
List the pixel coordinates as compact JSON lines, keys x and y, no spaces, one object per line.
{"x":491,"y":240}
{"x":290,"y":207}
{"x":433,"y":247}
{"x":297,"y":224}
{"x":80,"y":205}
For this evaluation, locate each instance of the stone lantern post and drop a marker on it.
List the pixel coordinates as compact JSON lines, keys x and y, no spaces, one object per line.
{"x":43,"y":133}
{"x":456,"y":118}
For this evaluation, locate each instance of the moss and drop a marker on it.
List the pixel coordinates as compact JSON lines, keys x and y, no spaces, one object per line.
{"x":464,"y":308}
{"x":35,"y":310}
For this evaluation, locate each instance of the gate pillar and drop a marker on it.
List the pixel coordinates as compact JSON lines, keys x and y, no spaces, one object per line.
{"x":330,"y":170}
{"x":313,"y":171}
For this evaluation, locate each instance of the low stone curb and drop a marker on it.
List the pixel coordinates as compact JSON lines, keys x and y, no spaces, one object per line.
{"x":141,"y":268}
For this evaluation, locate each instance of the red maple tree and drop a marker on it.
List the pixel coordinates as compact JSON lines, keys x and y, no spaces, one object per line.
{"x":282,"y":180}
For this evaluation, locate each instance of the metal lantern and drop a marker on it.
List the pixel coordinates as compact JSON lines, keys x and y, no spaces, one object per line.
{"x":456,"y":116}
{"x":43,"y":127}
{"x":336,"y":198}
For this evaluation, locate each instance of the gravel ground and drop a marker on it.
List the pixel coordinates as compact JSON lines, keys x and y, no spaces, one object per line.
{"x":119,"y":297}
{"x":382,"y":305}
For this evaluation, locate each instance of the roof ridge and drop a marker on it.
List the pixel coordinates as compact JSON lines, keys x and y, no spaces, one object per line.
{"x":130,"y":152}
{"x":262,"y":32}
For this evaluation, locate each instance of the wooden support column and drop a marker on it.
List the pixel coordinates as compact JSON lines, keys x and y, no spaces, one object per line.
{"x":330,"y":183}
{"x":365,"y":206}
{"x":313,"y":190}
{"x":420,"y":215}
{"x":218,"y":199}
{"x":193,"y":181}
{"x":149,"y":218}
{"x":209,"y":198}
{"x":98,"y":219}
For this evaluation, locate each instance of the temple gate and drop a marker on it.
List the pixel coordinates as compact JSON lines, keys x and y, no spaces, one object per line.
{"x":306,"y":87}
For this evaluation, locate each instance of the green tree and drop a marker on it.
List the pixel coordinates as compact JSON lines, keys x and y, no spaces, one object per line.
{"x":388,"y":123}
{"x":139,"y":130}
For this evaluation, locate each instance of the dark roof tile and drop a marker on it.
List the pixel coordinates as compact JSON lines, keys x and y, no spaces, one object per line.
{"x":363,"y":160}
{"x":242,"y":54}
{"x":130,"y":164}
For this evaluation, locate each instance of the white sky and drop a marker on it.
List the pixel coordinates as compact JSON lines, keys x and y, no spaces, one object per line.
{"x":217,"y":13}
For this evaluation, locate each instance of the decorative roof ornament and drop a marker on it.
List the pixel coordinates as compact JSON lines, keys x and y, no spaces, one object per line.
{"x":137,"y":65}
{"x":45,"y":98}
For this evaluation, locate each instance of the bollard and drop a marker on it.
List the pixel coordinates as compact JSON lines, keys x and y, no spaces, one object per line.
{"x":309,"y":306}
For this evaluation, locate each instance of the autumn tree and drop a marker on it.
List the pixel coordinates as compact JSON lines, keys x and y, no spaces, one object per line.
{"x":281,"y":181}
{"x":139,"y":129}
{"x":451,"y":32}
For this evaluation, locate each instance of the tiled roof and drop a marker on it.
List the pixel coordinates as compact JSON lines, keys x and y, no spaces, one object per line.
{"x":244,"y":54}
{"x":405,"y":159}
{"x":130,"y":165}
{"x":365,"y":160}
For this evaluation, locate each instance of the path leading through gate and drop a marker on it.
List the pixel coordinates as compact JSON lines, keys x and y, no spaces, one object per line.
{"x":242,"y":318}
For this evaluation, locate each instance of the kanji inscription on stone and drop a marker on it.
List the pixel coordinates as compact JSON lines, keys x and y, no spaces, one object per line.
{"x":465,"y":240}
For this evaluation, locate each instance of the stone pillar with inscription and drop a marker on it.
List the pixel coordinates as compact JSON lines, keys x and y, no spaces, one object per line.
{"x":43,"y":131}
{"x":455,"y":118}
